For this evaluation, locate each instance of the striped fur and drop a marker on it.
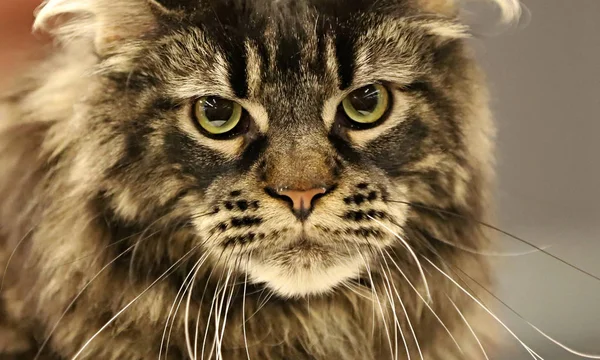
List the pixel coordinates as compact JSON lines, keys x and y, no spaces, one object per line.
{"x":107,"y":186}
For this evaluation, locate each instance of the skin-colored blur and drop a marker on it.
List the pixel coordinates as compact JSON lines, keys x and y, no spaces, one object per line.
{"x":16,"y":40}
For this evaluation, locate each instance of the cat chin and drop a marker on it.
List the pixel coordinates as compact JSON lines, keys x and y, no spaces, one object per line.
{"x":305,"y":277}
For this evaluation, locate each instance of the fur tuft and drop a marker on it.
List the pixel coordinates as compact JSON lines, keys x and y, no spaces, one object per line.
{"x":107,"y":23}
{"x":122,"y":202}
{"x":511,"y":10}
{"x":49,"y":15}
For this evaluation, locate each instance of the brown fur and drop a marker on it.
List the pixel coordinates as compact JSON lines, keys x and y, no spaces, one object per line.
{"x":99,"y":161}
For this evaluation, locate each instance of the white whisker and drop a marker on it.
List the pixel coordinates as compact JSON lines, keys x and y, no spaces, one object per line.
{"x":425,"y":302}
{"x":175,"y":307}
{"x":385,"y":325}
{"x":244,"y":309}
{"x":373,"y":297}
{"x":220,"y":332}
{"x":412,"y":253}
{"x":213,"y":308}
{"x":412,"y":330}
{"x":398,"y":327}
{"x":355,"y":289}
{"x":529,"y":350}
{"x":162,"y":276}
{"x":58,"y":257}
{"x":229,"y":302}
{"x":388,"y":291}
{"x":201,"y":302}
{"x":470,"y":328}
{"x":187,"y":309}
{"x":396,"y":320}
{"x":210,"y":313}
{"x":493,"y":253}
{"x":143,"y":238}
{"x":12,"y":254}
{"x":262,"y":304}
{"x":75,"y":299}
{"x":564,"y":347}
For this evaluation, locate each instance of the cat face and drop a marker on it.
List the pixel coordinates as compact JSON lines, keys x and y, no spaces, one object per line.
{"x":289,"y":150}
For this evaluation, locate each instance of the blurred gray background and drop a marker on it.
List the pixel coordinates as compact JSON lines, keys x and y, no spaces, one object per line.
{"x":545,"y":80}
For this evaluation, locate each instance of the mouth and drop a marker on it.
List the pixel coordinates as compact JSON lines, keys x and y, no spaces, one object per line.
{"x":306,"y":244}
{"x":305,"y":247}
{"x":305,"y":266}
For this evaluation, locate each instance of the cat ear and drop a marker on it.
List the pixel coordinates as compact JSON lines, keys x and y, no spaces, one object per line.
{"x":510,"y":9}
{"x":447,"y":24}
{"x":446,"y":30}
{"x":107,"y":23}
{"x":445,"y":8}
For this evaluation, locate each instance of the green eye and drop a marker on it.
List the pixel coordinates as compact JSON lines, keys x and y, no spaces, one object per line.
{"x":367,"y":104}
{"x":216,"y":115}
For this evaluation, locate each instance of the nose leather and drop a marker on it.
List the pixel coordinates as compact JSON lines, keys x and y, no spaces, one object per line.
{"x":302,"y":199}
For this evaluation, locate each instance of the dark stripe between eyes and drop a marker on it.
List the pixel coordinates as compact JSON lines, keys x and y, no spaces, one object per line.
{"x":344,"y":53}
{"x":238,"y":77}
{"x":288,"y":55}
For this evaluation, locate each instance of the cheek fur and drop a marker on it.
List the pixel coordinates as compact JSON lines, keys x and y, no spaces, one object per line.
{"x":124,"y":218}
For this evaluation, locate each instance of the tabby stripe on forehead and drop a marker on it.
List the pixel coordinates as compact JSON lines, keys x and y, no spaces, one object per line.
{"x":345,"y":53}
{"x":237,"y":58}
{"x":289,"y":55}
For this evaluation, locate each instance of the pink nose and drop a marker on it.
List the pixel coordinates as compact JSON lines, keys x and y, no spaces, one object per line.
{"x":302,"y":199}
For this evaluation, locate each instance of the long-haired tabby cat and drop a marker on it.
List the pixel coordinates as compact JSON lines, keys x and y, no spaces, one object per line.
{"x":247,"y":180}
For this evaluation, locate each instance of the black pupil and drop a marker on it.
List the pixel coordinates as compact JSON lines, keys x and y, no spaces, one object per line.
{"x":218,"y":111}
{"x":365,"y":100}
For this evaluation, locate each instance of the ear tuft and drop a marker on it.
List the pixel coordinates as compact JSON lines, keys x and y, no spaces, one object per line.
{"x":447,"y":30}
{"x":107,"y":23}
{"x":510,"y":9}
{"x":445,"y":8}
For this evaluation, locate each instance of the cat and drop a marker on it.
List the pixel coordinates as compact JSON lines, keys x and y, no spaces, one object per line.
{"x":235,"y":179}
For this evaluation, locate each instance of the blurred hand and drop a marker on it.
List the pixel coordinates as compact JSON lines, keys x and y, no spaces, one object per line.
{"x":16,"y":39}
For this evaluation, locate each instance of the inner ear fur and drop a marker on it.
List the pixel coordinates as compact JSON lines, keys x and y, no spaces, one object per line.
{"x":106,"y":23}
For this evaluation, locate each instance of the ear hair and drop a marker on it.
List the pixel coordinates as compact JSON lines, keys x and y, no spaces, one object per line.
{"x":444,"y":29}
{"x":105,"y":22}
{"x":445,"y":23}
{"x":510,"y":9}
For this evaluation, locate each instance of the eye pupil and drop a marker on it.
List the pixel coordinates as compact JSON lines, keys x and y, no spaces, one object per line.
{"x":217,"y":116}
{"x":217,"y":110}
{"x":365,"y":100}
{"x":364,"y":107}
